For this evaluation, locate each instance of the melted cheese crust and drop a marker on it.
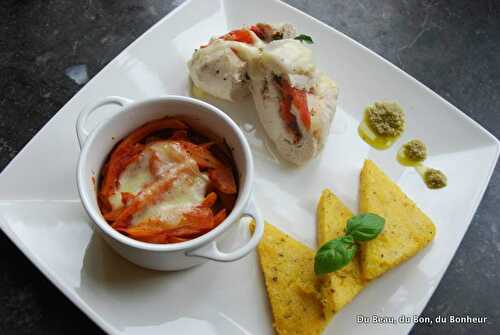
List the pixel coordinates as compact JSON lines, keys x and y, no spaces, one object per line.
{"x":160,"y":160}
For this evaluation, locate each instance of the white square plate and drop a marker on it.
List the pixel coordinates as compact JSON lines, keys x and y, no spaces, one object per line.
{"x":41,"y":213}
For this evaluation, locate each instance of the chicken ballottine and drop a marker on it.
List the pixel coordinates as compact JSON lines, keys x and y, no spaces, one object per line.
{"x":295,"y":102}
{"x":220,"y":68}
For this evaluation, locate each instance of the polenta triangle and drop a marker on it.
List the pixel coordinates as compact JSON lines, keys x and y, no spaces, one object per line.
{"x":291,"y":284}
{"x":337,"y":288}
{"x":407,"y":229}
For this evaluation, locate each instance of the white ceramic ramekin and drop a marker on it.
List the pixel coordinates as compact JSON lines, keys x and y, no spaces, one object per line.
{"x":97,"y":144}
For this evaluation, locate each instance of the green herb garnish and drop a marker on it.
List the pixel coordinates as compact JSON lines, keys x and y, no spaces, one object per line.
{"x":334,"y":254}
{"x":304,"y":38}
{"x":337,"y":253}
{"x":364,"y":227}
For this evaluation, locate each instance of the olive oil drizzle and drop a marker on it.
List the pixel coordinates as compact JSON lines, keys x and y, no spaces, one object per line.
{"x":419,"y":167}
{"x":372,"y":138}
{"x":403,"y":159}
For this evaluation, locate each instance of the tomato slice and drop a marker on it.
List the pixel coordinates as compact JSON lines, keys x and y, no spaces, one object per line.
{"x":152,"y":232}
{"x":129,"y":148}
{"x":220,"y":175}
{"x":201,"y":154}
{"x":239,"y":35}
{"x":143,"y":199}
{"x":112,"y":215}
{"x":223,"y":179}
{"x":209,"y":200}
{"x":258,"y":31}
{"x":117,"y":163}
{"x":196,"y":222}
{"x":127,"y":197}
{"x":175,"y":239}
{"x":298,"y":99}
{"x":285,"y":106}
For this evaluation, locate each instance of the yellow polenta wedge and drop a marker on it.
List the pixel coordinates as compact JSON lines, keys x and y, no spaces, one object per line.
{"x":291,"y":284}
{"x":340,"y":287}
{"x":407,"y":229}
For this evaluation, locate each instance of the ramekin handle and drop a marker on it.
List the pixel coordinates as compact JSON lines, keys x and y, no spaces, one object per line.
{"x":83,"y":132}
{"x":212,"y":252}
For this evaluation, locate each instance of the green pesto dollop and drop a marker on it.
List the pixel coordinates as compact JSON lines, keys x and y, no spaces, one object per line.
{"x":434,"y":178}
{"x":386,"y":118}
{"x":415,"y":150}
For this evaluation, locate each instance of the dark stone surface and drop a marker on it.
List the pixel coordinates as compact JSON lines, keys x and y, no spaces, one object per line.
{"x":453,"y":47}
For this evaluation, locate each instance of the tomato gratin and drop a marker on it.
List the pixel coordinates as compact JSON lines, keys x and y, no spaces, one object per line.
{"x":166,"y":183}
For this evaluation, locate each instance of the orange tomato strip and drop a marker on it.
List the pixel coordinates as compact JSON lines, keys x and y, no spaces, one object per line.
{"x":114,"y":214}
{"x":285,"y":106}
{"x":175,"y":239}
{"x":209,"y":200}
{"x":299,"y":100}
{"x":203,"y":157}
{"x":118,"y":163}
{"x":220,"y":216}
{"x":220,"y":175}
{"x":258,"y":31}
{"x":223,"y":179}
{"x":153,"y":164}
{"x":146,"y":233}
{"x":239,"y":35}
{"x":146,"y":197}
{"x":195,"y":223}
{"x":128,"y":147}
{"x":198,"y":218}
{"x":127,"y":197}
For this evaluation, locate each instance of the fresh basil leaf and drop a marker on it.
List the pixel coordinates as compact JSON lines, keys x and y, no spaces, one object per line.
{"x":304,"y":38}
{"x":365,"y":227}
{"x":334,"y":255}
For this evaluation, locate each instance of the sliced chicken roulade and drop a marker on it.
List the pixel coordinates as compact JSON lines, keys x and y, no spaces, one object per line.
{"x":220,"y":67}
{"x":295,"y":103}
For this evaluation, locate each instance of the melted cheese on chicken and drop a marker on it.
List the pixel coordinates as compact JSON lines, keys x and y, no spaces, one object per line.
{"x":291,"y":61}
{"x":158,"y":161}
{"x":217,"y":70}
{"x":227,"y":69}
{"x":288,"y":57}
{"x":220,"y":68}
